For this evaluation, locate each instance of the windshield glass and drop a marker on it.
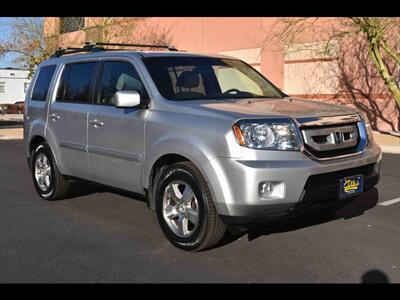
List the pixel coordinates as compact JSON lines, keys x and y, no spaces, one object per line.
{"x":197,"y":78}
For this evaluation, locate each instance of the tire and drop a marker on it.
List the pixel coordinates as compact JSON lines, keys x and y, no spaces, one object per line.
{"x":200,"y":235}
{"x":56,"y":187}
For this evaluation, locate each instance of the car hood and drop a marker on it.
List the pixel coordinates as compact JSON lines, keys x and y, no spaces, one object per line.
{"x":288,"y":107}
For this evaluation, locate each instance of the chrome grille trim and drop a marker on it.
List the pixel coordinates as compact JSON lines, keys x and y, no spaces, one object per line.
{"x":323,"y":121}
{"x":333,"y":138}
{"x":303,"y":123}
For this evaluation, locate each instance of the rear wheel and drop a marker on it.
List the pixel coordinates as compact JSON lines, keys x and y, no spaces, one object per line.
{"x":47,"y":179}
{"x":185,"y":208}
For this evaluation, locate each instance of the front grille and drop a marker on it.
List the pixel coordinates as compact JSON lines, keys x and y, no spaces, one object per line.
{"x":329,"y":141}
{"x":331,"y":153}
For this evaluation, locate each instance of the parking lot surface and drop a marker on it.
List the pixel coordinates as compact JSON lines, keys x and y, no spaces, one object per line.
{"x":102,"y":235}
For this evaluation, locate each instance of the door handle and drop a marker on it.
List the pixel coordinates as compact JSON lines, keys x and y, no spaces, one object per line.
{"x":54,"y":117}
{"x":96,"y":123}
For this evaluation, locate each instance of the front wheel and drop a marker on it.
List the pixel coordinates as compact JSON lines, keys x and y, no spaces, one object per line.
{"x":185,"y":208}
{"x":47,"y":179}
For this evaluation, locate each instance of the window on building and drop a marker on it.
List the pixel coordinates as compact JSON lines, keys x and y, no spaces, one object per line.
{"x":42,"y":83}
{"x":118,"y":76}
{"x":2,"y":87}
{"x":76,"y":81}
{"x":69,"y":24}
{"x":26,"y":86}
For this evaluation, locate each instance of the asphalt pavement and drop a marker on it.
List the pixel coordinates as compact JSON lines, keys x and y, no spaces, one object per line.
{"x":103,"y":235}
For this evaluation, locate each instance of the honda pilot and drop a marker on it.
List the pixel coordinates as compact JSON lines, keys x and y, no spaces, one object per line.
{"x":209,"y":141}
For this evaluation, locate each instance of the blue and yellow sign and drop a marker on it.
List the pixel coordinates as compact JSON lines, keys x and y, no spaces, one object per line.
{"x":351,"y":186}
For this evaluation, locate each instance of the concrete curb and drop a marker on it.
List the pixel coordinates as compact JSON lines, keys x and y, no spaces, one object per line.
{"x":11,"y":133}
{"x":390,"y":149}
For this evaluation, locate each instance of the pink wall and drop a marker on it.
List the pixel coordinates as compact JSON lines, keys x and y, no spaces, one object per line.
{"x":217,"y":34}
{"x":358,"y":87}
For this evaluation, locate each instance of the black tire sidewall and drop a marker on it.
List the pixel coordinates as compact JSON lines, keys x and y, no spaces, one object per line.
{"x":43,"y":148}
{"x":180,"y":172}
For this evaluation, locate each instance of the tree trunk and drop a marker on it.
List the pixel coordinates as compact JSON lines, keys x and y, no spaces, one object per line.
{"x":383,"y":71}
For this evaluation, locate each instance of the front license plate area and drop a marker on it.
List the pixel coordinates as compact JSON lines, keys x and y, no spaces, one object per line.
{"x":351,"y":186}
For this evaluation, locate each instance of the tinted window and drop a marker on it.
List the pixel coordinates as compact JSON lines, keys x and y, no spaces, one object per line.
{"x":76,"y":81}
{"x":42,"y":83}
{"x":69,"y":24}
{"x":118,"y":76}
{"x":196,"y":78}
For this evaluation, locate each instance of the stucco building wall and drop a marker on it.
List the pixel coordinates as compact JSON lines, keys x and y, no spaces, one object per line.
{"x":345,"y":75}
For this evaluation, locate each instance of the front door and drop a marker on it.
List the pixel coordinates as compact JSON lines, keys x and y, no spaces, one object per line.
{"x":116,"y":135}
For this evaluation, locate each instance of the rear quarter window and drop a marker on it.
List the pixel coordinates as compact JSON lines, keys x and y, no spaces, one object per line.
{"x":42,"y":83}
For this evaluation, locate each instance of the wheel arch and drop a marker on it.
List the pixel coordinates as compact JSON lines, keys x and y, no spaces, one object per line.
{"x":33,"y":143}
{"x":157,"y":167}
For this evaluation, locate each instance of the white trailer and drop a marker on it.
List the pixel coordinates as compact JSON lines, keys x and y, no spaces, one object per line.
{"x":13,"y":85}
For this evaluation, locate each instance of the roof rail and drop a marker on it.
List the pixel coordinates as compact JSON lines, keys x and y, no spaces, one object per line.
{"x":169,"y":47}
{"x":96,"y":47}
{"x":88,"y":47}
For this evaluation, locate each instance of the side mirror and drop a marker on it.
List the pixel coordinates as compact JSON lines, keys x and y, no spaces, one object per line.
{"x":127,"y":99}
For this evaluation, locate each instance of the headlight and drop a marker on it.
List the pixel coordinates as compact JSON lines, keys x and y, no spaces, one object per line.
{"x":273,"y":134}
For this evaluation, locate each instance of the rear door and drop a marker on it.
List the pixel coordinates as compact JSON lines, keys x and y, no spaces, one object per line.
{"x":116,"y":135}
{"x":68,"y":115}
{"x":36,"y":104}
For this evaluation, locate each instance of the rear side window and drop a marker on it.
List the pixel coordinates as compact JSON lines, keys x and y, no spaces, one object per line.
{"x":76,"y":83}
{"x":42,"y":83}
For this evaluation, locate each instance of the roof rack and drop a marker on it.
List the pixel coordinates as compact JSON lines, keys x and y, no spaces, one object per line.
{"x":88,"y":47}
{"x":97,"y":47}
{"x":168,"y":47}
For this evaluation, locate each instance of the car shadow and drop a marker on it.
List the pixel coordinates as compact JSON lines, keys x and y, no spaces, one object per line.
{"x":349,"y":210}
{"x":83,"y":188}
{"x":374,"y":276}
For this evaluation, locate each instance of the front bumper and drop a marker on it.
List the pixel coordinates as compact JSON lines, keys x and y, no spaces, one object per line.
{"x":307,"y":183}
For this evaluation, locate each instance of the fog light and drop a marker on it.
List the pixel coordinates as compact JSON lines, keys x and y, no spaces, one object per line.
{"x":266,"y":189}
{"x":271,"y":190}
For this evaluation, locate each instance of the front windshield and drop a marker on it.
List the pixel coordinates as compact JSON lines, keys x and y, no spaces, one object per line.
{"x":197,"y":78}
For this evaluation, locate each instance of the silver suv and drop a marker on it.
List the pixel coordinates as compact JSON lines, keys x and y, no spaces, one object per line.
{"x":209,"y":140}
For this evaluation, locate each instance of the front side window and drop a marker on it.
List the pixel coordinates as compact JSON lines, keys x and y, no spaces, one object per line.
{"x":42,"y":83}
{"x":76,"y":82}
{"x":118,"y":76}
{"x":197,"y":78}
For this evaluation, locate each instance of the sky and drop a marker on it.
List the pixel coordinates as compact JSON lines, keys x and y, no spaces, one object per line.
{"x":5,"y":33}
